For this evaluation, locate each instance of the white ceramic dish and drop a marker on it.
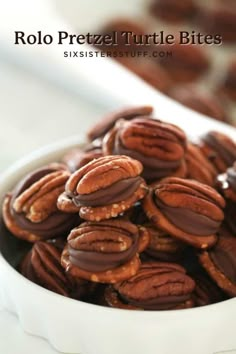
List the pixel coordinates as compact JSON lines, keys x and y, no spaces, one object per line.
{"x":23,"y":343}
{"x":76,"y":327}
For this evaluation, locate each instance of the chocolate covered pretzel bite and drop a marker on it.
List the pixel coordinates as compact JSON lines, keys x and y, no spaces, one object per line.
{"x":187,"y":210}
{"x":42,"y":265}
{"x":156,"y":286}
{"x":220,"y":264}
{"x":30,"y":211}
{"x":105,"y":251}
{"x":104,"y":188}
{"x":159,"y":146}
{"x":220,"y":150}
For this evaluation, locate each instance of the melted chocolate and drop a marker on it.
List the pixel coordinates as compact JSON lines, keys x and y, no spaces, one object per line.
{"x":157,"y":173}
{"x":115,"y":193}
{"x":225,"y":261}
{"x":188,"y":220}
{"x":228,"y":155}
{"x":56,"y":224}
{"x":101,"y":262}
{"x":30,"y":179}
{"x":158,"y":303}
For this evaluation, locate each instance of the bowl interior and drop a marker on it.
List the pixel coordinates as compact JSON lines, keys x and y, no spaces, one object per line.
{"x":11,"y":248}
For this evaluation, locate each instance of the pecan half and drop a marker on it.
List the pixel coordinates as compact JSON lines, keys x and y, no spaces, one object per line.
{"x":156,"y":286}
{"x":198,"y":166}
{"x":220,"y":150}
{"x":159,"y":146}
{"x":220,"y":264}
{"x":104,"y":252}
{"x":38,"y":201}
{"x":42,"y":265}
{"x":30,"y":211}
{"x":105,"y":187}
{"x":186,"y":209}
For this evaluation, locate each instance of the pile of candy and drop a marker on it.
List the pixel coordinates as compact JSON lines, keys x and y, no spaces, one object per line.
{"x":139,"y":218}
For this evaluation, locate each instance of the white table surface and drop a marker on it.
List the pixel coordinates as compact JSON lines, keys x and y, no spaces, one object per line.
{"x":34,"y":112}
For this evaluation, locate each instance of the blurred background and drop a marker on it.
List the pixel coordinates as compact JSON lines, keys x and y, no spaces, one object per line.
{"x":39,"y":105}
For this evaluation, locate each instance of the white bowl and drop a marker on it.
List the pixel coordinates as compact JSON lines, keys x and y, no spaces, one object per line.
{"x":76,"y":327}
